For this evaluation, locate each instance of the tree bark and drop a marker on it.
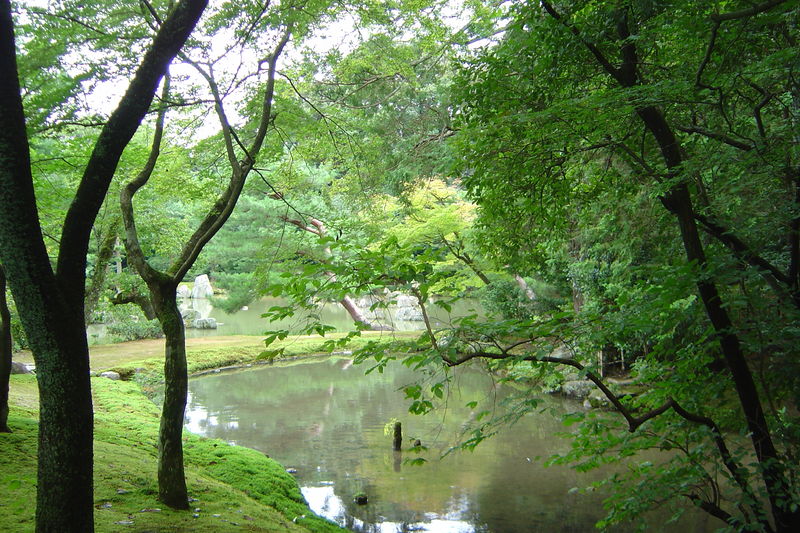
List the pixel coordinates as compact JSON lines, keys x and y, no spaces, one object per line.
{"x":171,"y":479}
{"x":5,"y":353}
{"x":524,"y":287}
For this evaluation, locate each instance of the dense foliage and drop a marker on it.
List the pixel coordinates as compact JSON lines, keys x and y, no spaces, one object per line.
{"x":617,"y":181}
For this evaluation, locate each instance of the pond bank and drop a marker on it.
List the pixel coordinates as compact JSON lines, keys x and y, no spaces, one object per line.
{"x":233,"y":488}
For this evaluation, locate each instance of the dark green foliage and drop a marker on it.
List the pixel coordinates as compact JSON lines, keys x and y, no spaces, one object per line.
{"x":239,"y":288}
{"x":507,"y":300}
{"x":131,"y":330}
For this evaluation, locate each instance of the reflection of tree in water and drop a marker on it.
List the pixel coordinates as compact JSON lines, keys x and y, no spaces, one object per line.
{"x":296,"y":417}
{"x":325,"y":418}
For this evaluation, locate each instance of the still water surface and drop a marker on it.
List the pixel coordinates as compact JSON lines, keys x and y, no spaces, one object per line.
{"x":326,"y":419}
{"x":250,"y":322}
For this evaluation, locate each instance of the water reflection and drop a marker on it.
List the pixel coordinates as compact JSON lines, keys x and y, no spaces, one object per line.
{"x":326,"y":419}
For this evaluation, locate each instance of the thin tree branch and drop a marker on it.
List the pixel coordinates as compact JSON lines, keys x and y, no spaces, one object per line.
{"x":698,"y":78}
{"x":223,"y":207}
{"x":747,"y":12}
{"x":717,"y":137}
{"x":634,"y":422}
{"x":595,"y":51}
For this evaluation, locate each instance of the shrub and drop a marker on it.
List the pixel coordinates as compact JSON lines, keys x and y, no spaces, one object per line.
{"x":130,"y":330}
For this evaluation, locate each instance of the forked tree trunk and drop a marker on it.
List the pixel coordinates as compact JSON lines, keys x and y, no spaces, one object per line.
{"x":162,"y":285}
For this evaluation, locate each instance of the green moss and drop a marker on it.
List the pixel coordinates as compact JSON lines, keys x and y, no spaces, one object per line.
{"x":235,"y":489}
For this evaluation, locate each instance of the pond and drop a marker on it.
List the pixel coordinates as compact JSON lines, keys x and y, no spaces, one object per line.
{"x":325,"y":419}
{"x":250,"y":322}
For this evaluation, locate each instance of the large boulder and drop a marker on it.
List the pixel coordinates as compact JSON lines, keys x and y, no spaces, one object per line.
{"x":109,"y":374}
{"x":183,"y":291}
{"x":578,"y":389}
{"x":202,"y":287}
{"x":189,"y":315}
{"x":204,"y":323}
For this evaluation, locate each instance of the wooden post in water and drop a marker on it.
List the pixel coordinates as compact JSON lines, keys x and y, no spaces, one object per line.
{"x":398,"y":436}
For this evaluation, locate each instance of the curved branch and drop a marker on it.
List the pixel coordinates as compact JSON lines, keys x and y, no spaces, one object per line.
{"x":634,"y":422}
{"x":747,"y":12}
{"x":116,"y":134}
{"x":227,"y":132}
{"x":126,"y":194}
{"x":780,"y":283}
{"x":698,"y":78}
{"x":717,"y":137}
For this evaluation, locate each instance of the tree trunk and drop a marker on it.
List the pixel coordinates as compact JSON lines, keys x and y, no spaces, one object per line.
{"x":162,"y":285}
{"x":171,"y":480}
{"x":104,"y":252}
{"x":5,"y":353}
{"x":678,"y":201}
{"x":425,"y":318}
{"x":524,"y":287}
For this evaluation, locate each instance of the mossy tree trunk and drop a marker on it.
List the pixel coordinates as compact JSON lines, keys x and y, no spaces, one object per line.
{"x":51,"y":303}
{"x":162,"y":286}
{"x":171,"y":480}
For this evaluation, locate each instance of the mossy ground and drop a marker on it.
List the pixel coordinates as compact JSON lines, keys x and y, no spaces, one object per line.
{"x":235,"y":489}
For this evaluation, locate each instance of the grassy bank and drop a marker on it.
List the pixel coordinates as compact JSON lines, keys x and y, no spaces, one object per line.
{"x":234,"y":488}
{"x":204,"y":353}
